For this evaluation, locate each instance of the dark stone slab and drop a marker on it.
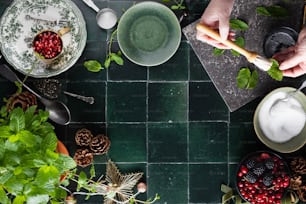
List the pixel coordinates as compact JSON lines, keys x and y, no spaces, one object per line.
{"x":223,"y":69}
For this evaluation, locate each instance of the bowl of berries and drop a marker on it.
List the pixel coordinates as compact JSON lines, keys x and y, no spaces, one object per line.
{"x":48,"y":44}
{"x":262,"y":177}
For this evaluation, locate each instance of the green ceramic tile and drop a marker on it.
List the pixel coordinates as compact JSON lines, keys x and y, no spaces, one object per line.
{"x":91,"y":52}
{"x":242,"y":140}
{"x":197,"y":71}
{"x":170,"y":181}
{"x":205,"y":103}
{"x":167,"y":102}
{"x":126,"y":102}
{"x":128,"y":142}
{"x":7,"y":89}
{"x":232,"y":175}
{"x":208,"y":142}
{"x":245,"y":113}
{"x":205,"y":181}
{"x":175,"y":69}
{"x":122,"y":73}
{"x":167,"y":142}
{"x":81,"y":111}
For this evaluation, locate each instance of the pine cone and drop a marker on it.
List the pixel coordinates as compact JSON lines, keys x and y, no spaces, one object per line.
{"x":83,"y":137}
{"x":83,"y":157}
{"x":24,"y":100}
{"x":100,"y":144}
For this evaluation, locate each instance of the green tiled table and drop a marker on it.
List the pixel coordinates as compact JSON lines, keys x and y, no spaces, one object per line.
{"x":167,"y":121}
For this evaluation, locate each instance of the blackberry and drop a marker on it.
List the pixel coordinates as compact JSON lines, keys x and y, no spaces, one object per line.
{"x":267,"y":179}
{"x":259,"y":169}
{"x":250,"y":163}
{"x":269,"y":163}
{"x":251,"y":177}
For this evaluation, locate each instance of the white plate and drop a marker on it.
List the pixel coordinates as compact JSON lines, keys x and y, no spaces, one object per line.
{"x":15,"y":29}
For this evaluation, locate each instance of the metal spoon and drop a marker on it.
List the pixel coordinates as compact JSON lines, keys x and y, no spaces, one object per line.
{"x":58,"y":111}
{"x":289,"y":95}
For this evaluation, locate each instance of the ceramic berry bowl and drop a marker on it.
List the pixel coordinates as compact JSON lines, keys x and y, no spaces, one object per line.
{"x":48,"y":45}
{"x":262,"y":177}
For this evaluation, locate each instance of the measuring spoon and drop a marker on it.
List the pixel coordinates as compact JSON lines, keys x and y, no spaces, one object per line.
{"x":106,"y":18}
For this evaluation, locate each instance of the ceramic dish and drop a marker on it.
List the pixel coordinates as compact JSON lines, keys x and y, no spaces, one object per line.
{"x":262,"y":177}
{"x":296,"y":142}
{"x":149,"y":33}
{"x":17,"y":30}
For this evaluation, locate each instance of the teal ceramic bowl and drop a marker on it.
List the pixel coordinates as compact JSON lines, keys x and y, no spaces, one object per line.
{"x":149,"y":33}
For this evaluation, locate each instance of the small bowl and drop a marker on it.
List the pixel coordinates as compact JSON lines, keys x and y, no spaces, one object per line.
{"x":267,"y":120}
{"x":279,"y":39}
{"x":149,"y":33}
{"x":48,"y":45}
{"x":262,"y":176}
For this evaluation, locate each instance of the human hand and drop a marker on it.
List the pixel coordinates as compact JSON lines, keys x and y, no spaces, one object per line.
{"x":217,"y":16}
{"x":293,"y":59}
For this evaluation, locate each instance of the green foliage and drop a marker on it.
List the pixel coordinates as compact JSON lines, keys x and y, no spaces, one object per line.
{"x":240,"y":42}
{"x":275,"y":72}
{"x":238,"y":24}
{"x":178,"y":5}
{"x":30,"y":169}
{"x":93,"y":65}
{"x":274,"y":11}
{"x":246,"y":78}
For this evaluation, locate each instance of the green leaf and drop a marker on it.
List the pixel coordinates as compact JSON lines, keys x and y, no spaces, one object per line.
{"x":19,"y":199}
{"x":247,"y":79}
{"x":49,"y":142}
{"x":253,"y":79}
{"x":174,"y":7}
{"x":274,"y":11}
{"x":5,"y":176}
{"x":27,"y":138}
{"x":47,"y":177}
{"x":43,"y":198}
{"x":3,"y":197}
{"x":238,"y":24}
{"x":17,"y":120}
{"x":107,"y":62}
{"x":93,"y":65}
{"x":82,"y":181}
{"x":92,"y":171}
{"x":66,"y":162}
{"x":5,"y":131}
{"x":218,"y":52}
{"x":275,"y":72}
{"x":15,"y":185}
{"x":118,"y":59}
{"x":243,"y":78}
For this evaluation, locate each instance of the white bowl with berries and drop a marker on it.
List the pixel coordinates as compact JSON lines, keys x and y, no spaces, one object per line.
{"x":262,"y":177}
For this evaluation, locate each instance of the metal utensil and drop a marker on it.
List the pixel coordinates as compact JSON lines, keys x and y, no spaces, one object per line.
{"x":60,"y":22}
{"x":289,"y":95}
{"x":58,"y":111}
{"x":106,"y":18}
{"x":87,"y":99}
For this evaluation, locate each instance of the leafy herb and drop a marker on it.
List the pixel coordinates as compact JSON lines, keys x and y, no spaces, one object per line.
{"x":93,"y":65}
{"x":274,"y":11}
{"x":247,"y":79}
{"x":237,"y":24}
{"x":218,"y":51}
{"x":275,"y":72}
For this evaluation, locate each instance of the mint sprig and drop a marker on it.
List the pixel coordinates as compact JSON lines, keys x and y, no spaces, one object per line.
{"x":246,"y":78}
{"x":275,"y":72}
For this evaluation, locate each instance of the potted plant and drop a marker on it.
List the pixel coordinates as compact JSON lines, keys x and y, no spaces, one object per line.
{"x":35,"y":167}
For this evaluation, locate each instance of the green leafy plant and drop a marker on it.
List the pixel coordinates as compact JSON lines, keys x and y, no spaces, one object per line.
{"x":30,"y":167}
{"x":247,"y":79}
{"x":238,"y":24}
{"x":96,"y":66}
{"x":32,"y":171}
{"x":275,"y":72}
{"x":274,"y":11}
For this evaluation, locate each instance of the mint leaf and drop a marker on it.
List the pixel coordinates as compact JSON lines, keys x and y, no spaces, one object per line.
{"x":218,"y":52}
{"x":274,"y":11}
{"x":238,"y":24}
{"x":246,"y":78}
{"x":275,"y":72}
{"x":117,"y":58}
{"x":93,"y":65}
